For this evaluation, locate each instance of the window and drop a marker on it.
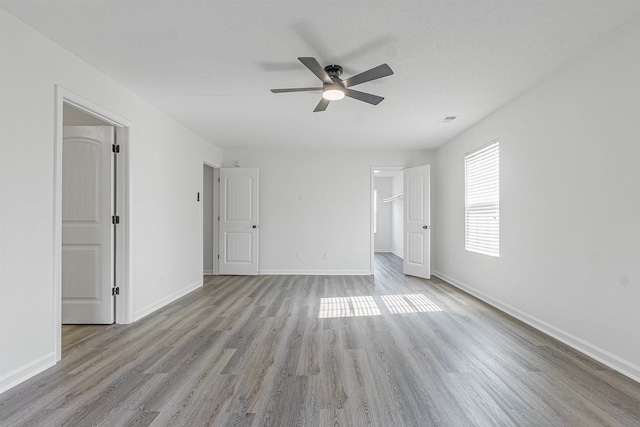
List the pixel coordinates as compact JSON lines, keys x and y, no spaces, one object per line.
{"x":482,"y":200}
{"x":375,"y":211}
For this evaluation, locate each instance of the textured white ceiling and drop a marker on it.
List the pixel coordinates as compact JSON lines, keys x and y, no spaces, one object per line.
{"x":210,"y":64}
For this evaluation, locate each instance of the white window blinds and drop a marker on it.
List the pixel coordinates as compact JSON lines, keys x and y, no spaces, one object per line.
{"x":375,"y":211}
{"x":482,"y":200}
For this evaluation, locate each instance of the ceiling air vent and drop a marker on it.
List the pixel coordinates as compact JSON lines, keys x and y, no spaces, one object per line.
{"x":447,"y":119}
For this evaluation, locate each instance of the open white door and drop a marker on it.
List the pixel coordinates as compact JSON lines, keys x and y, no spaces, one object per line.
{"x":238,"y":221}
{"x":417,"y":221}
{"x":87,"y":229}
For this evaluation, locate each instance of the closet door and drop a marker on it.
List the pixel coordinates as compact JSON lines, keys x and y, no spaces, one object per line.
{"x":417,"y":221}
{"x":87,"y":229}
{"x":239,"y":221}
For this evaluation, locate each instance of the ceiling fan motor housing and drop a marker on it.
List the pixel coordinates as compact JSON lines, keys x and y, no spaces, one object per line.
{"x":333,"y":70}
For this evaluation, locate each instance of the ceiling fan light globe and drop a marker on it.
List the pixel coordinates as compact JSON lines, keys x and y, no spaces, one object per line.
{"x":332,"y":94}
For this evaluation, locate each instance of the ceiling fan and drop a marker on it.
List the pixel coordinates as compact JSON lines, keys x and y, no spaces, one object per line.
{"x":333,"y":88}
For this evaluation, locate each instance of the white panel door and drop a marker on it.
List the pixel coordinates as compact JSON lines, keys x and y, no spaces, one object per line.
{"x":239,"y":221}
{"x":417,"y":221}
{"x":87,"y":231}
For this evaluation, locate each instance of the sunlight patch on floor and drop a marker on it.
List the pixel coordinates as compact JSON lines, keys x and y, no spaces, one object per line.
{"x":348,"y":307}
{"x":366,"y":305}
{"x":409,"y":303}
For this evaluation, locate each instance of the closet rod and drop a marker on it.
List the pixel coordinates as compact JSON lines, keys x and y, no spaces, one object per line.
{"x":392,"y":198}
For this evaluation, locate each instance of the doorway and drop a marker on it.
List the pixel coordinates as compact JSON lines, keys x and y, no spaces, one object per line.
{"x":401,"y":217}
{"x":387,"y":212}
{"x":71,"y":109}
{"x":210,"y":212}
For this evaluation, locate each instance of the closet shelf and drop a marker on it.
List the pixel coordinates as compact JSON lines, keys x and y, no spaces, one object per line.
{"x":392,"y":198}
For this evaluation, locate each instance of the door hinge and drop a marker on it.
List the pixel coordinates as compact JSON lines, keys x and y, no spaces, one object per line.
{"x":218,"y":256}
{"x":115,"y":148}
{"x":218,"y":179}
{"x":218,"y":217}
{"x":115,"y":219}
{"x":115,"y":291}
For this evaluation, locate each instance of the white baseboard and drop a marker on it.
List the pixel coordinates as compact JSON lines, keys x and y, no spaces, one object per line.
{"x":399,"y":255}
{"x":613,"y":361}
{"x":383,"y":251}
{"x":315,"y":272}
{"x":164,"y":301}
{"x":208,"y":273}
{"x":27,"y":371}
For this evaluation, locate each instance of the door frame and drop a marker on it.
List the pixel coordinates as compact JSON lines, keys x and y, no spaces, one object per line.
{"x":124,"y":301}
{"x":372,"y":244}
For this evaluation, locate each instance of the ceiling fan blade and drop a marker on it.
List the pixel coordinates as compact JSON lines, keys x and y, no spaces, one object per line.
{"x":296,"y":89}
{"x":322,"y":105}
{"x":316,"y":68}
{"x":366,"y":76}
{"x":362,"y":96}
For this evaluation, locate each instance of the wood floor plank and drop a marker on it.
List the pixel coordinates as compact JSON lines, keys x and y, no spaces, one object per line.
{"x":206,"y":406}
{"x":362,"y":407}
{"x":264,"y":351}
{"x":309,"y":363}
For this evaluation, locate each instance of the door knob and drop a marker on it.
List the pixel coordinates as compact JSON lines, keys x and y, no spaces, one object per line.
{"x":426,"y":227}
{"x":254,"y":226}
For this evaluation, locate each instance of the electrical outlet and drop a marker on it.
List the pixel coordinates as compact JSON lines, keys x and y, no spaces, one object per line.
{"x":326,"y":255}
{"x":449,"y":260}
{"x":299,"y":254}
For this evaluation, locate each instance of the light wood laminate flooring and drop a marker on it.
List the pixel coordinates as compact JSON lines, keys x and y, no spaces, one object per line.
{"x":383,"y":350}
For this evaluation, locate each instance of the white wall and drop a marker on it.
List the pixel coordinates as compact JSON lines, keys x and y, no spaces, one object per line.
{"x":570,"y":205}
{"x":334,"y":215}
{"x":382,"y":237}
{"x":397,"y":217}
{"x":166,"y":173}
